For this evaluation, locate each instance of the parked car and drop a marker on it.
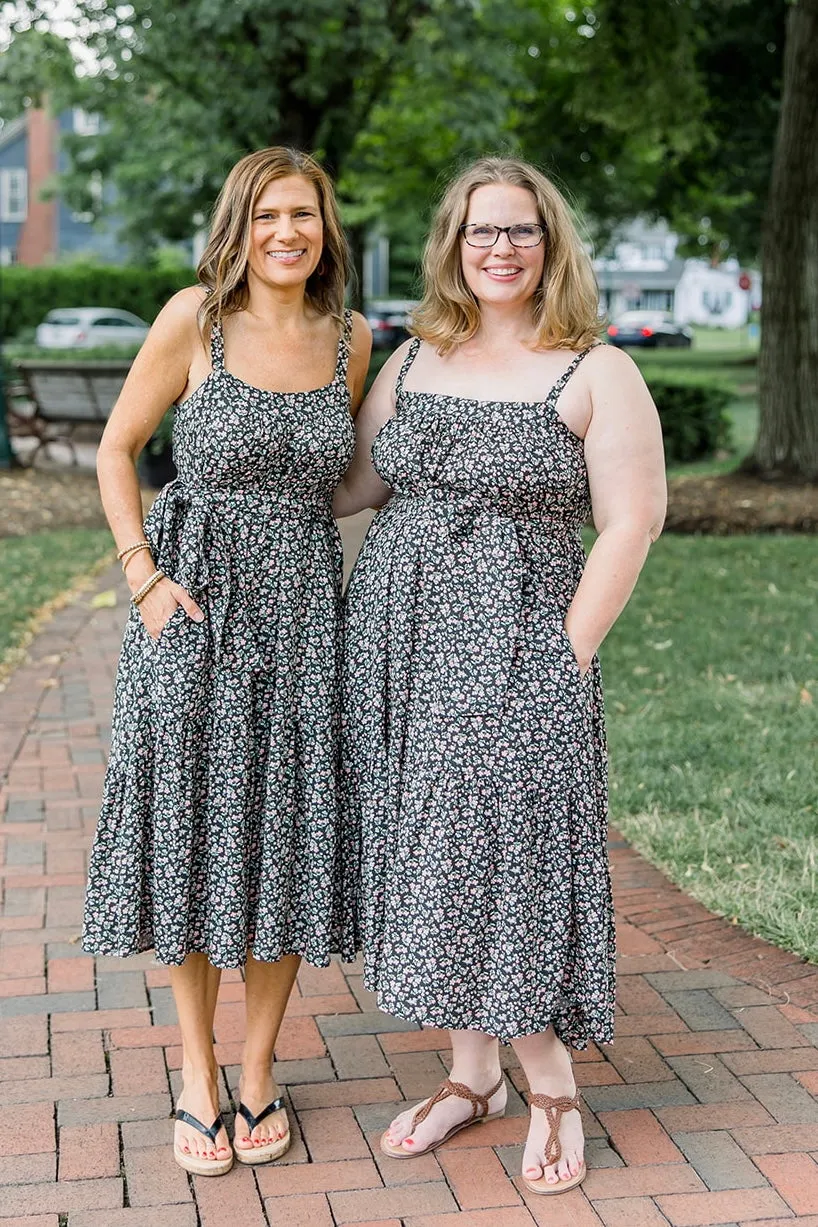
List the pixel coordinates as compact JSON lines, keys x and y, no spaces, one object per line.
{"x":88,"y":327}
{"x":648,"y":328}
{"x":389,"y":321}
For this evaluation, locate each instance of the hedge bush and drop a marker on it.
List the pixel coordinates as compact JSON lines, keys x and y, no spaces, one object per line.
{"x":28,"y":294}
{"x":693,"y":413}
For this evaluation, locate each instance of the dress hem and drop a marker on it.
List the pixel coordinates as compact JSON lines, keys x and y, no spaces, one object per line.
{"x":315,"y":960}
{"x":600,"y":1034}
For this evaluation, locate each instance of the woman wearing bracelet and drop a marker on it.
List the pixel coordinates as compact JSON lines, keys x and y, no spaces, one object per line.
{"x":218,"y":843}
{"x":473,"y":718}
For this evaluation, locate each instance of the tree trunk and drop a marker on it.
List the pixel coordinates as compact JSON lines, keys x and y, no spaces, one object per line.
{"x":787,"y":443}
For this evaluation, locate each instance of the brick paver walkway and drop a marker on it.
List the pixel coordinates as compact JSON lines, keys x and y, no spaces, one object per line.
{"x":703,"y":1112}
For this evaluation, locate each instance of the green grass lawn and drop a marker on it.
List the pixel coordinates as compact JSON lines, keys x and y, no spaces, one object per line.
{"x":712,"y":698}
{"x":36,"y":569}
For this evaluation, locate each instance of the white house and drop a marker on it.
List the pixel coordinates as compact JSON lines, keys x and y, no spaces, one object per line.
{"x":641,"y":271}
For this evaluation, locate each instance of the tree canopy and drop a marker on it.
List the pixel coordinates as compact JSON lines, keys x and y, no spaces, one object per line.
{"x":391,"y":93}
{"x":671,"y":109}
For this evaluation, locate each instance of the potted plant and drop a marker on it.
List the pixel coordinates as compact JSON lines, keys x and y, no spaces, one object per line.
{"x":156,"y":465}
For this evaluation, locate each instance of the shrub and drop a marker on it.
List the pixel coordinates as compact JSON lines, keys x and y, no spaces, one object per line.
{"x":693,"y":413}
{"x":28,"y":294}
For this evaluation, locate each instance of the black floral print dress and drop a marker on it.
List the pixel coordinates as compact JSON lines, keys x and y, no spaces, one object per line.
{"x":475,"y":758}
{"x":220,"y":826}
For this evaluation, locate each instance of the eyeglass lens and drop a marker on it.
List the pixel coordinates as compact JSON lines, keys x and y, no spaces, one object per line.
{"x":478,"y":234}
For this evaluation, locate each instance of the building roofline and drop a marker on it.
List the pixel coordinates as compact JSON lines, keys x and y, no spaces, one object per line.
{"x":10,"y":131}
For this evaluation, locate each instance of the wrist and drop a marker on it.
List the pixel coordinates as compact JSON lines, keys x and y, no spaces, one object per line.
{"x":139,"y":569}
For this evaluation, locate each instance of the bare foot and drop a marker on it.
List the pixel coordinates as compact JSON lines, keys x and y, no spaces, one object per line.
{"x":200,"y":1097}
{"x":444,"y":1116}
{"x":256,"y":1092}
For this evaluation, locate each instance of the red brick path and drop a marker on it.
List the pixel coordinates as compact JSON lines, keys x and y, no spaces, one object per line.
{"x":703,"y":1112}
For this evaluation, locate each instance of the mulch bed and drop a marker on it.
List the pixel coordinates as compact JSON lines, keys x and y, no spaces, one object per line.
{"x":735,"y":503}
{"x":34,"y":500}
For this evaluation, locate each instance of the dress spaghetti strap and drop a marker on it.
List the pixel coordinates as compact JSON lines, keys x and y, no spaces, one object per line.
{"x":411,"y":354}
{"x":554,"y":394}
{"x":344,"y":349}
{"x":217,"y":346}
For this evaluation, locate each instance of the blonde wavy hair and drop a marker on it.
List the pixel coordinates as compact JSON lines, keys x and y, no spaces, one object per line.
{"x":223,"y":267}
{"x":566,"y":302}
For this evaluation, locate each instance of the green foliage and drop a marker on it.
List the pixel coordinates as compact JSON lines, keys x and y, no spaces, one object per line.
{"x":693,"y":413}
{"x":35,"y":61}
{"x":391,"y":94}
{"x":30,"y":293}
{"x":711,"y":687}
{"x":310,"y":76}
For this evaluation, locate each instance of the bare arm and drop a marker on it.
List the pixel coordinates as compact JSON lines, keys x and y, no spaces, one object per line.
{"x":626,"y":470}
{"x":157,"y":379}
{"x":361,"y":486}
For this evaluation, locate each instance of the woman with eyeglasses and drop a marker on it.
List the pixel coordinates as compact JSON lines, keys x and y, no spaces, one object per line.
{"x":473,"y":724}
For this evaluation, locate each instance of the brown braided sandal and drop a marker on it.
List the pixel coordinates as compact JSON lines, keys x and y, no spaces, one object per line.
{"x":479,"y":1112}
{"x":554,"y":1109}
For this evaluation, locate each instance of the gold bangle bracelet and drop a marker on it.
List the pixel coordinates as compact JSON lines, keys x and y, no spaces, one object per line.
{"x":142,"y":592}
{"x":138,"y":545}
{"x":129,"y":554}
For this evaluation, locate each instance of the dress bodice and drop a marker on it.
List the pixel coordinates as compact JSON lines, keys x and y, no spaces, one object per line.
{"x":515,"y":458}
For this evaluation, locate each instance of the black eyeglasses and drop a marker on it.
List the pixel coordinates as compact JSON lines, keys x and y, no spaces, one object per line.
{"x":524,"y":234}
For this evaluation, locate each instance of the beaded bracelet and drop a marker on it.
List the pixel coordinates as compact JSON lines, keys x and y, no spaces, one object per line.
{"x":138,"y":545}
{"x":142,"y":592}
{"x":129,"y":554}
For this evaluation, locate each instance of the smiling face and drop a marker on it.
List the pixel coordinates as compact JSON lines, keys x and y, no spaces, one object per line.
{"x":503,"y":275}
{"x":286,"y":233}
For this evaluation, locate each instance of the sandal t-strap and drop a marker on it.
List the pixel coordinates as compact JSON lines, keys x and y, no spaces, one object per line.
{"x":252,"y":1121}
{"x":479,"y":1111}
{"x":211,"y":1133}
{"x":273,"y":1149}
{"x":479,"y":1103}
{"x":554,"y":1109}
{"x":195,"y":1163}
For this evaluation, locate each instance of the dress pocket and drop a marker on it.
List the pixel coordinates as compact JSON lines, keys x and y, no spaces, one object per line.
{"x":170,"y":630}
{"x":572,"y":657}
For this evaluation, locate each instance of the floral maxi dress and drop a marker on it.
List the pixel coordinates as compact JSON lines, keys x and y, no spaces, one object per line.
{"x":475,"y":759}
{"x":219,"y":827}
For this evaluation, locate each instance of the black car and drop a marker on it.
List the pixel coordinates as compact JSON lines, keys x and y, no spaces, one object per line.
{"x":389,"y":320}
{"x":649,"y":329}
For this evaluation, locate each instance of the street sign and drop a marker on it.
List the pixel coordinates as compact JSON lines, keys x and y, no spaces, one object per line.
{"x":744,"y":282}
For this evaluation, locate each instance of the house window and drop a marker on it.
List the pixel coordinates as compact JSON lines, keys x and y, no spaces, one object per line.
{"x":717,"y":301}
{"x":13,"y":195}
{"x":656,"y":300}
{"x":85,"y":123}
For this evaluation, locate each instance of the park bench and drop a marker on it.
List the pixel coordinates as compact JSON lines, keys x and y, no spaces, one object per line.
{"x":52,"y":397}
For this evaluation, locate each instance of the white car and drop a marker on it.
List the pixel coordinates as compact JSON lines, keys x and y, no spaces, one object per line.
{"x":89,"y":327}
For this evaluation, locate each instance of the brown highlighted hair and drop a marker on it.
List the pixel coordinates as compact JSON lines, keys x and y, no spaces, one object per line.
{"x":223,"y":266}
{"x":565,"y":305}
